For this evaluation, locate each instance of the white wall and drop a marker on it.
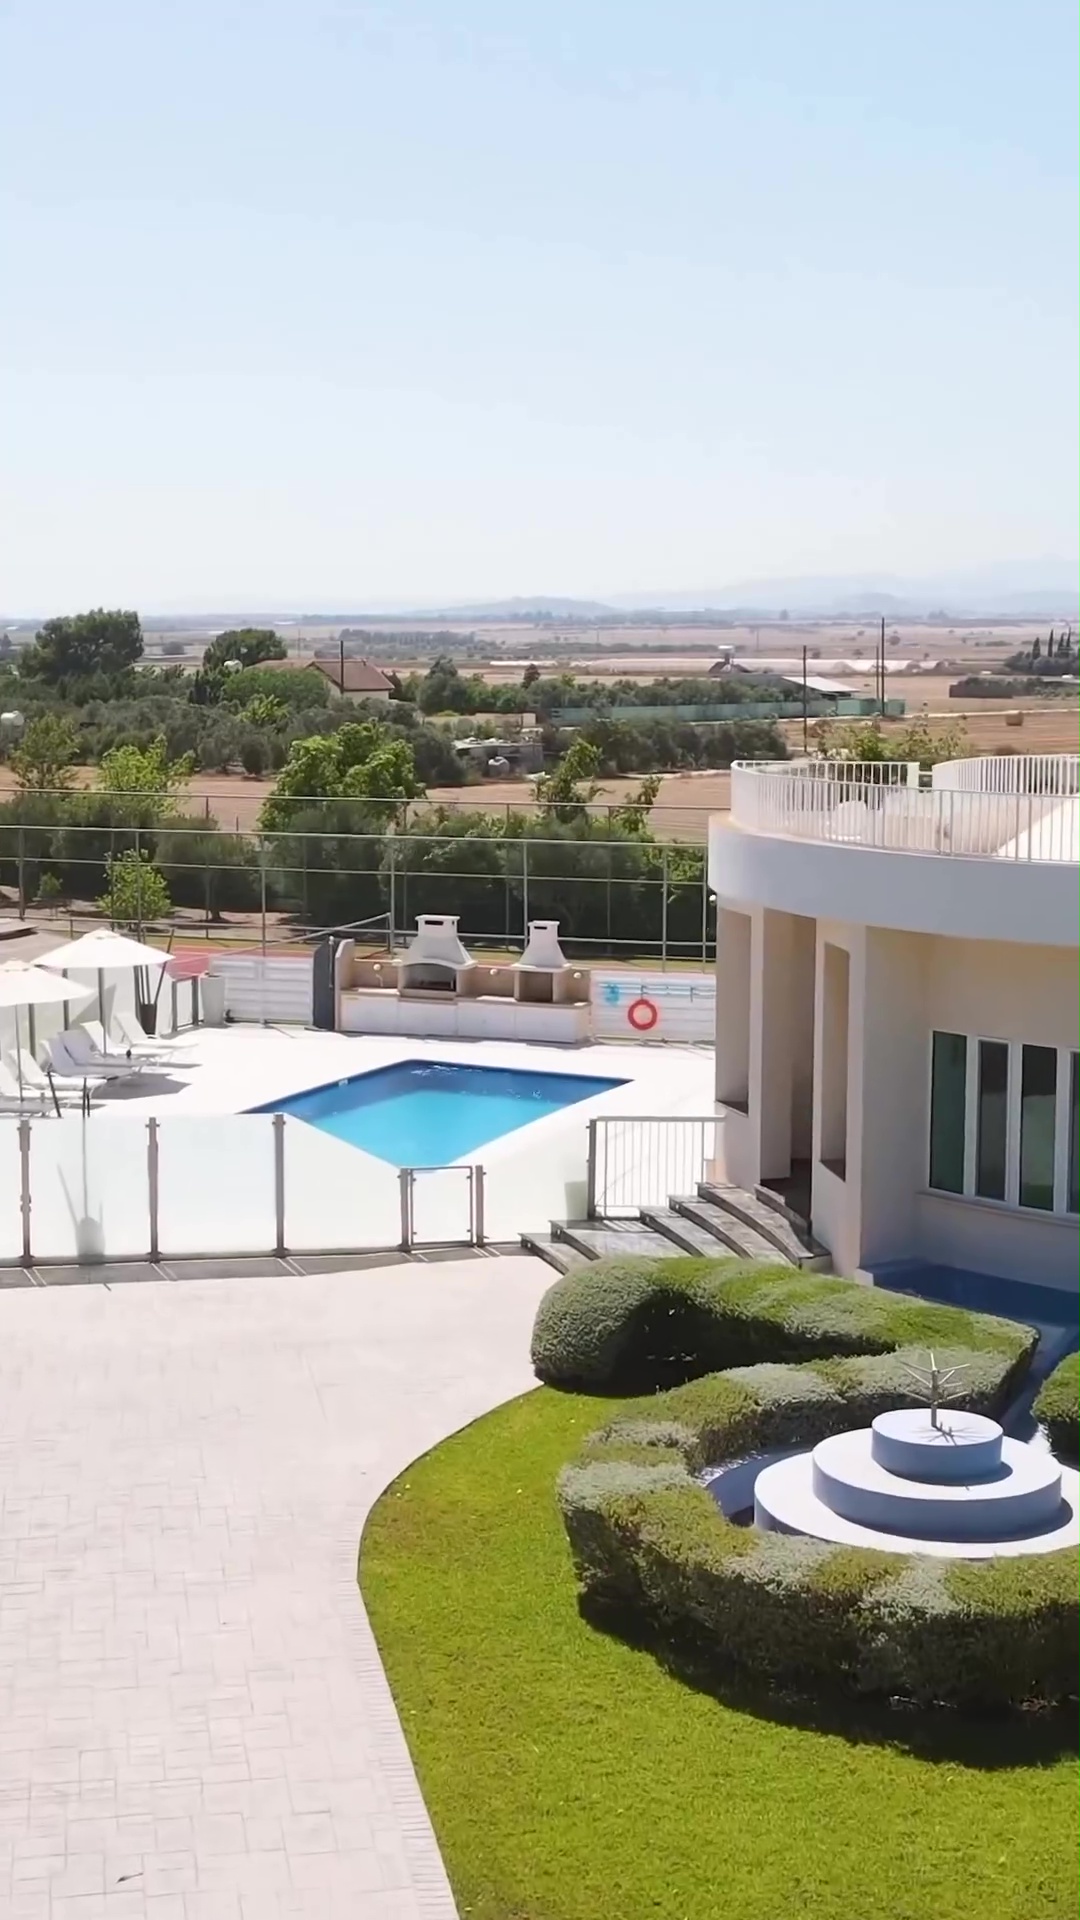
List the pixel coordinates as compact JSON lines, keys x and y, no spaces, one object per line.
{"x":949,"y":894}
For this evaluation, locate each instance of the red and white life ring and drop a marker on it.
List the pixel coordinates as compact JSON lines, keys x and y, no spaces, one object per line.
{"x":643,"y":1014}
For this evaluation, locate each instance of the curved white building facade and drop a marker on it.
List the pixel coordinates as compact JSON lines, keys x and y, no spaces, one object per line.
{"x":897,"y":999}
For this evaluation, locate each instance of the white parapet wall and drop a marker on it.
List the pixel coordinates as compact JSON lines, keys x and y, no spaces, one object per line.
{"x":678,"y":1008}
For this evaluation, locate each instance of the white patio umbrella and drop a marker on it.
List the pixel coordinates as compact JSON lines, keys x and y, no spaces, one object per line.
{"x":103,"y":951}
{"x":23,"y":983}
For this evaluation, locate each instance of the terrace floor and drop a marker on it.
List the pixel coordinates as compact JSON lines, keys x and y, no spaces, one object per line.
{"x":194,"y":1722}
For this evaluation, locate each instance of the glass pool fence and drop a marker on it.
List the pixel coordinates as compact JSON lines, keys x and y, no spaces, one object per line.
{"x":77,"y":1189}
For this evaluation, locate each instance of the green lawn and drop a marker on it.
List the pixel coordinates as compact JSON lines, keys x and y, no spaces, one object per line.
{"x":569,"y":1777}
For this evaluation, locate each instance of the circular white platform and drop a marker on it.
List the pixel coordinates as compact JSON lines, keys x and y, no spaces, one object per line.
{"x":1022,"y":1495}
{"x":785,"y":1501}
{"x":957,"y":1446}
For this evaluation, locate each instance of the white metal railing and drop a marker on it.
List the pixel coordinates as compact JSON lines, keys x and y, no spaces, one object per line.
{"x":641,"y":1160}
{"x":84,"y":1189}
{"x":885,"y":806}
{"x":1052,"y":773}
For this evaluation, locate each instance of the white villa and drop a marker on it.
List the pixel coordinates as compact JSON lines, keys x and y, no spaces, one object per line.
{"x":897,"y":999}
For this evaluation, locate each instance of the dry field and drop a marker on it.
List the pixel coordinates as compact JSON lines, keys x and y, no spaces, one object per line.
{"x":683,"y":804}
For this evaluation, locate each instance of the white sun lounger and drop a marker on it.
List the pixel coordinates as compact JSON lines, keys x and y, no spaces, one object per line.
{"x":84,"y":1063}
{"x":11,"y":1099}
{"x":126,"y":1032}
{"x":119,"y":1048}
{"x":36,"y":1080}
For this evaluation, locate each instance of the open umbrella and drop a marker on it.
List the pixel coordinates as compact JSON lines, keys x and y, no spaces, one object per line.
{"x":23,"y":983}
{"x":104,"y":951}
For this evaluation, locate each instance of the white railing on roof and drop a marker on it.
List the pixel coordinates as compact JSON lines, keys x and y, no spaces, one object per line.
{"x":885,"y":805}
{"x":1052,"y":773}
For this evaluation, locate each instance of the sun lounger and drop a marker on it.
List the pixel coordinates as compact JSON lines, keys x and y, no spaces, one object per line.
{"x":128,"y":1033}
{"x":50,"y":1086}
{"x":27,"y":1100}
{"x":120,"y":1049}
{"x":85,"y":1064}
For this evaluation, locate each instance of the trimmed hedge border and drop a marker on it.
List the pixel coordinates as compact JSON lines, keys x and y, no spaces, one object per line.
{"x":633,"y":1325}
{"x":648,"y":1539}
{"x":1057,"y":1407}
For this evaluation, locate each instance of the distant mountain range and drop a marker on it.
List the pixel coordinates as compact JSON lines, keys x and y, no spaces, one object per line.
{"x":1035,"y":587}
{"x":1038,"y":588}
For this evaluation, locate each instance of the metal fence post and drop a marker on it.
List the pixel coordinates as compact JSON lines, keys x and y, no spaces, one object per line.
{"x":20,"y":856}
{"x":138,"y":890}
{"x":279,"y":1184}
{"x":153,"y":1188}
{"x":663,"y":907}
{"x":405,"y":1177}
{"x":24,"y":1188}
{"x":393,"y":883}
{"x":524,"y":888}
{"x":476,"y":1197}
{"x":590,"y":1174}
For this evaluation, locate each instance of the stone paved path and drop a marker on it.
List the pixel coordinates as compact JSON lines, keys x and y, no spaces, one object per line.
{"x":194,"y":1723}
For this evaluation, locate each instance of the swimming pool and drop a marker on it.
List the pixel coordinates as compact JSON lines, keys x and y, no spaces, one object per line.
{"x":428,"y":1113}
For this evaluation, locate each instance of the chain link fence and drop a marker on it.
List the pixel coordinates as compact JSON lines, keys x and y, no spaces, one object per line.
{"x":616,"y":895}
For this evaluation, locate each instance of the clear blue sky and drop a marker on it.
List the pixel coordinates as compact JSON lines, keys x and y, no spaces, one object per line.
{"x":318,"y":303}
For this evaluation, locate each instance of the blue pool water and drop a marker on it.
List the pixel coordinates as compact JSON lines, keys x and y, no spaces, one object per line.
{"x":427,"y":1113}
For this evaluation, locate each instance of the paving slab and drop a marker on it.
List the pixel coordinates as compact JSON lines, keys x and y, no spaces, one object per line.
{"x":194,"y":1720}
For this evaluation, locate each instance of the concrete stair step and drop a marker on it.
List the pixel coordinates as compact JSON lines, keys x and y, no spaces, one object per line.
{"x":558,"y":1253}
{"x":777,"y":1204}
{"x":790,"y":1242}
{"x":728,"y":1234}
{"x":600,"y":1239}
{"x":686,"y":1235}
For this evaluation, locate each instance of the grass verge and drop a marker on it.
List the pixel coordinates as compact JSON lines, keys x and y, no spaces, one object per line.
{"x":571,"y":1777}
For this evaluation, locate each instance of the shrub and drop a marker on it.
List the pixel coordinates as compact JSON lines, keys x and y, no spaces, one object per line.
{"x":254,"y":756}
{"x":647,"y":1539}
{"x":1056,"y":1407}
{"x":635,"y":1324}
{"x":650,"y":1541}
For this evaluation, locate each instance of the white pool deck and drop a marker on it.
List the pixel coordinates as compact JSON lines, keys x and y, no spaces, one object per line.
{"x":217,"y":1159}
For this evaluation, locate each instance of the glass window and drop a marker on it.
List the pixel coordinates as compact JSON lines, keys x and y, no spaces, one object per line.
{"x":1038,"y":1098}
{"x":948,"y":1084}
{"x":992,"y":1133}
{"x":1072,"y":1199}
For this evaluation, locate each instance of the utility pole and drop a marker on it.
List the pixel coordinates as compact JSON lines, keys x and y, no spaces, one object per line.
{"x":805,"y":737}
{"x":341,"y":661}
{"x":881,"y":670}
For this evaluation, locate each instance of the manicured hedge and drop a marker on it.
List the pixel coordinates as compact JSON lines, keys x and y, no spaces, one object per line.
{"x":1057,"y":1407}
{"x":627,"y":1326}
{"x":649,"y":1540}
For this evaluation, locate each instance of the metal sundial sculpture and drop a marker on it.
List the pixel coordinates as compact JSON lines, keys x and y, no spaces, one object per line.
{"x":936,"y":1382}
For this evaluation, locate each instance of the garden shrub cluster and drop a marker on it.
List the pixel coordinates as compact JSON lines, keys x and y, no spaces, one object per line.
{"x":634,"y":1325}
{"x":1057,"y":1407}
{"x":650,"y":1542}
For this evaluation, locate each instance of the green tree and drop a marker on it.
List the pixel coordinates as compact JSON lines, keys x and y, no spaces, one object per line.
{"x":443,"y":689}
{"x":145,"y":779}
{"x":135,"y":891}
{"x":78,"y":646}
{"x":568,"y":789}
{"x":868,"y":741}
{"x":43,"y":759}
{"x":360,"y":761}
{"x":632,"y":818}
{"x":249,"y":645}
{"x":265,"y":710}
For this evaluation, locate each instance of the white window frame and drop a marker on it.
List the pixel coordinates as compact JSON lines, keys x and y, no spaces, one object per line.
{"x":1013,"y":1084}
